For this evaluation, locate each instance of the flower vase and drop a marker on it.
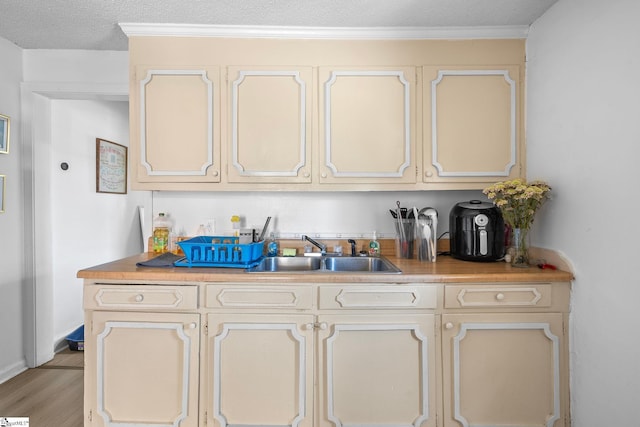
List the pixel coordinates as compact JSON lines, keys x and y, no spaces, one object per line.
{"x":519,"y":249}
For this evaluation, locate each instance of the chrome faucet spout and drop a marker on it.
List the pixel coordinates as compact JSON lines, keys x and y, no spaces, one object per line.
{"x":323,"y":248}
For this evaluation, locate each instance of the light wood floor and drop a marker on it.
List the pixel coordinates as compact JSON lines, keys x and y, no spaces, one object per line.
{"x":50,"y":395}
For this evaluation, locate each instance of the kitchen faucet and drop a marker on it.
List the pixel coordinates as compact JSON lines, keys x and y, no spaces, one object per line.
{"x":353,"y":246}
{"x":323,"y":248}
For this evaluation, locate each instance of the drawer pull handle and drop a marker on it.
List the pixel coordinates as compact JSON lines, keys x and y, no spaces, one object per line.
{"x":500,"y":296}
{"x":321,"y":325}
{"x":192,"y":325}
{"x":139,"y":298}
{"x":448,"y":325}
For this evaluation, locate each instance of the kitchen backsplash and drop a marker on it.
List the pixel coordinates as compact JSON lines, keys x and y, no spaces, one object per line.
{"x":319,"y":214}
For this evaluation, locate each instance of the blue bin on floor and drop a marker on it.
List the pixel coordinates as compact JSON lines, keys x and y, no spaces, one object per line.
{"x":76,"y":339}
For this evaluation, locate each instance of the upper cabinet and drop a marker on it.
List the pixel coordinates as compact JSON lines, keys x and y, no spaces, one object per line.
{"x":367,"y":125}
{"x":325,"y":115}
{"x":268,"y":122}
{"x":472,"y":124}
{"x":175,"y":126}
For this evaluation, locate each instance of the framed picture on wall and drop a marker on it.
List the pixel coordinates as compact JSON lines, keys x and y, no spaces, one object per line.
{"x":4,"y":134}
{"x":111,"y":167}
{"x":2,"y":180}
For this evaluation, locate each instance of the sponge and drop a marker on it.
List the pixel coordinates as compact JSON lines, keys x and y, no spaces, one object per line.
{"x":289,"y":251}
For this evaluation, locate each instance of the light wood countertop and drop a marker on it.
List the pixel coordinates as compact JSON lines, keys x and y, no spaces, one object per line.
{"x":445,"y":270}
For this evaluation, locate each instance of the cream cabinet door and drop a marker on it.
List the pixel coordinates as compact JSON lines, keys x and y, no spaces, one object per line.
{"x":472,"y":124}
{"x":268,"y":124}
{"x":504,"y":370}
{"x":175,"y":121}
{"x":377,"y":370}
{"x":142,"y":369}
{"x":259,"y":370}
{"x":367,"y":125}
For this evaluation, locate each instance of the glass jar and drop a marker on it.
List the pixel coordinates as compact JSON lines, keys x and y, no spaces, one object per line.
{"x":519,"y":247}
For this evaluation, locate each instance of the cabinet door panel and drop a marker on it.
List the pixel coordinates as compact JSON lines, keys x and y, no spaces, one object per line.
{"x":503,"y":370}
{"x":367,"y":123}
{"x":472,"y":126}
{"x":269,"y":134}
{"x":377,"y":370}
{"x":146,"y":369}
{"x":175,"y":125}
{"x":260,"y":370}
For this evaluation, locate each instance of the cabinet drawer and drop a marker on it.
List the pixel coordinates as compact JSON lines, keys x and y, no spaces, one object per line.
{"x":136,"y":297}
{"x":524,"y":295}
{"x":383,"y":296}
{"x":252,"y":296}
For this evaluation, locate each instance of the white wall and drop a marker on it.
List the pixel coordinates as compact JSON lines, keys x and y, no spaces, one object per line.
{"x":76,"y":66}
{"x":11,"y":241}
{"x":583,"y":136}
{"x":88,"y":228}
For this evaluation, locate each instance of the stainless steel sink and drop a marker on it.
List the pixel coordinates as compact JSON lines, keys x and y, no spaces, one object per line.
{"x":287,"y":264}
{"x":329,"y":264}
{"x":361,"y":264}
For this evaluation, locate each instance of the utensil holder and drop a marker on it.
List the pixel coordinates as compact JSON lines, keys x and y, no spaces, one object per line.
{"x":405,"y":235}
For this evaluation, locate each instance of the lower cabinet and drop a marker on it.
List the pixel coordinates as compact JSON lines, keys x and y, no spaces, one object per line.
{"x":259,"y":370}
{"x":142,"y":369}
{"x":370,"y":370}
{"x":326,"y":355}
{"x":376,"y":369}
{"x":503,"y":370}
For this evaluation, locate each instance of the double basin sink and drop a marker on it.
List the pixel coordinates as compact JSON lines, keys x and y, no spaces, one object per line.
{"x":328,"y":264}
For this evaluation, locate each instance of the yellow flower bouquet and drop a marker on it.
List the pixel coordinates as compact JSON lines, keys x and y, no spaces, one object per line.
{"x":518,"y":201}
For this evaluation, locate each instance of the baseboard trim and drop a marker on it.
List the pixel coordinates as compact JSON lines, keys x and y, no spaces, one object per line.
{"x":13,"y":370}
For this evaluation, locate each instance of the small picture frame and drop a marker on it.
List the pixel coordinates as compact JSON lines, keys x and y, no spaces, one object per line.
{"x":111,"y":167}
{"x":3,"y":178}
{"x":5,"y":133}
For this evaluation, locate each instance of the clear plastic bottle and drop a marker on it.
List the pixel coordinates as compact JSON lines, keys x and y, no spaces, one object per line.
{"x":235,"y":225}
{"x":161,"y":230}
{"x":374,"y":246}
{"x":272,"y":246}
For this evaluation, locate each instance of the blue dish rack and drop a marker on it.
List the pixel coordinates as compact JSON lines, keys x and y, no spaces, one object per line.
{"x":219,"y":251}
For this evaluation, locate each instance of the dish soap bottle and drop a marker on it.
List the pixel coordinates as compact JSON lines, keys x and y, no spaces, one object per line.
{"x":235,"y":225}
{"x":272,"y":246}
{"x":374,"y":246}
{"x":161,"y":227}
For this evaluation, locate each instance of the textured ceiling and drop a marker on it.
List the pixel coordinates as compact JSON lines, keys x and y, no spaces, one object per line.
{"x":93,"y":24}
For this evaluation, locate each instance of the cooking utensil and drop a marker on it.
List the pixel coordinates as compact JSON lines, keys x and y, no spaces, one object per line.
{"x":405,"y":233}
{"x":425,"y":252}
{"x":399,"y":218}
{"x":264,"y":229}
{"x":429,"y":223}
